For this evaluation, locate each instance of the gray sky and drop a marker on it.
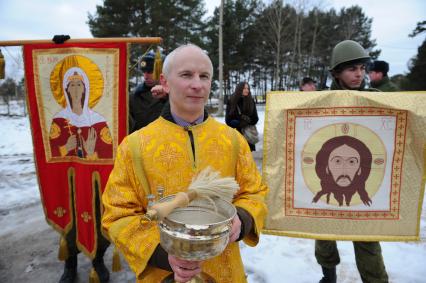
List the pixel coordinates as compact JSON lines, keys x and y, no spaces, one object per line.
{"x":393,"y":20}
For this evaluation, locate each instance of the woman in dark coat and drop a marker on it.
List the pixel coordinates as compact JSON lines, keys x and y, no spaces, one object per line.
{"x":241,"y":109}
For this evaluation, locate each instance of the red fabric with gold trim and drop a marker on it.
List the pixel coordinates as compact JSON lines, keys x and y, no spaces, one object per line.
{"x":77,"y":99}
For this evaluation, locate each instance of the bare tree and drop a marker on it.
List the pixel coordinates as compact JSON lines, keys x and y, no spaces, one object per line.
{"x":314,"y":38}
{"x":276,"y":36}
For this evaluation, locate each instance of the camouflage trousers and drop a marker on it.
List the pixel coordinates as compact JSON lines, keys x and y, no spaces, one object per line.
{"x":368,"y":256}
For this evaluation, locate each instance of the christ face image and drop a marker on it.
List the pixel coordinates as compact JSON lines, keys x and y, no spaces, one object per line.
{"x":343,"y":165}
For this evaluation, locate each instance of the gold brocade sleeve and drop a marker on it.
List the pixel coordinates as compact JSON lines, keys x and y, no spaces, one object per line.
{"x":124,"y":208}
{"x":251,"y":195}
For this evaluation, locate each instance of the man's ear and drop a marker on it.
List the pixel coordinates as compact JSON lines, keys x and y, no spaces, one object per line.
{"x":164,"y":84}
{"x":359,"y":171}
{"x":327,"y":171}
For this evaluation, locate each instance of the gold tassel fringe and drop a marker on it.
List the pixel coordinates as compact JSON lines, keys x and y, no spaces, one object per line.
{"x":158,"y":65}
{"x":63,"y":249}
{"x":116,"y":263}
{"x":93,"y":277}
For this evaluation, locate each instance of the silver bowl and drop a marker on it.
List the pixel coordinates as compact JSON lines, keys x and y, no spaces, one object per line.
{"x":199,"y":231}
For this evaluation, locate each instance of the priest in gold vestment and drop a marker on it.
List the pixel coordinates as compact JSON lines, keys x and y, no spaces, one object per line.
{"x":168,"y":153}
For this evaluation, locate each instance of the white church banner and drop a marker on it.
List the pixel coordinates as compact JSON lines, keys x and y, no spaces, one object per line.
{"x":345,"y":165}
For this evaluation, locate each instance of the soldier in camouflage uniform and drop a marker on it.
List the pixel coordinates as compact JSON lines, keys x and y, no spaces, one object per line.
{"x":348,"y":64}
{"x":378,"y":73}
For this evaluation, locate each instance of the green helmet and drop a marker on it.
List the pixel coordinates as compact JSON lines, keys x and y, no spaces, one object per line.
{"x":346,"y":51}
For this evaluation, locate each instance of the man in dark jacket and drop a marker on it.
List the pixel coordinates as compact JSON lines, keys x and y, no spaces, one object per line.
{"x":146,"y":103}
{"x":348,"y":64}
{"x":378,"y":73}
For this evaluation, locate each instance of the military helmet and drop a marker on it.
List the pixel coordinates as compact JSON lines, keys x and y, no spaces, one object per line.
{"x":347,"y":51}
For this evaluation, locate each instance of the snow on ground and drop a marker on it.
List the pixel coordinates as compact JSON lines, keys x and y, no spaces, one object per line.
{"x":274,"y":260}
{"x":16,"y":152}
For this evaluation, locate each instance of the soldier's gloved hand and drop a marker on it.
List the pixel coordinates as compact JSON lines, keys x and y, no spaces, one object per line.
{"x":60,"y":38}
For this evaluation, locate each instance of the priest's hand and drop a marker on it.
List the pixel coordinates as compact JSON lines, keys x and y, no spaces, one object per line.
{"x":235,"y":229}
{"x":184,"y":270}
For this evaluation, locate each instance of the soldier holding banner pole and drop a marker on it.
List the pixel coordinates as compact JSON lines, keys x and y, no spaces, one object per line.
{"x":348,"y":68}
{"x":149,"y":98}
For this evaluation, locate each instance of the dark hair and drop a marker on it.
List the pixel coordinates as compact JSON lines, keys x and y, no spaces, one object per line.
{"x":82,"y":97}
{"x":247,"y":101}
{"x":342,"y":66}
{"x":307,"y":80}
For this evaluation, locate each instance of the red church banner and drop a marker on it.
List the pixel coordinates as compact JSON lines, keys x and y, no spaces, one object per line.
{"x":345,"y":165}
{"x":77,"y":99}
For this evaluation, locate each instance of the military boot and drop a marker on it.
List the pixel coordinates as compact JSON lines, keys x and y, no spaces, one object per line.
{"x":329,"y":275}
{"x":70,"y":270}
{"x":101,"y":270}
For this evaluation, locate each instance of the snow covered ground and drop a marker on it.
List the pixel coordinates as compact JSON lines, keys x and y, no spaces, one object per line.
{"x":274,"y":260}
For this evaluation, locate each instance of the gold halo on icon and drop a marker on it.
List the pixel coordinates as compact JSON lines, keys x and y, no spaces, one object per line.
{"x":94,"y":75}
{"x":362,"y":133}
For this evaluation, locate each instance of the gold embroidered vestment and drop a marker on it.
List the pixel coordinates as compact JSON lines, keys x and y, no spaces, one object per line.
{"x":168,"y":161}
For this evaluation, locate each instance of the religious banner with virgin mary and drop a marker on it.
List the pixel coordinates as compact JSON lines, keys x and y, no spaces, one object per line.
{"x":77,"y":99}
{"x":345,"y":165}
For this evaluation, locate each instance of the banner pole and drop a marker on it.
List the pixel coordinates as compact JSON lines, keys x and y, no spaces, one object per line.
{"x":140,"y":40}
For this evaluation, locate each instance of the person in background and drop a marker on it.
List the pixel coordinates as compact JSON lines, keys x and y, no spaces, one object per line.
{"x":308,"y":84}
{"x":348,"y":64}
{"x":70,"y":268}
{"x":169,"y":152}
{"x":149,"y":98}
{"x":241,"y":109}
{"x":378,"y":73}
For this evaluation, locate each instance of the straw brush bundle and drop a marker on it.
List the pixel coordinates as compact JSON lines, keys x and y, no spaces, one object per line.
{"x":206,"y":185}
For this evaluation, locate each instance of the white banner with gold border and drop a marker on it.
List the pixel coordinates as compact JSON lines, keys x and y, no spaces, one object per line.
{"x":345,"y":165}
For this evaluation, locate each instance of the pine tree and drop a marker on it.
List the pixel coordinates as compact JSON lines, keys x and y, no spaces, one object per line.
{"x":415,"y":79}
{"x":175,"y":21}
{"x":417,"y":74}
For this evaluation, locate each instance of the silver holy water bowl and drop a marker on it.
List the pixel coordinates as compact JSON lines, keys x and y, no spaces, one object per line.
{"x":199,"y":231}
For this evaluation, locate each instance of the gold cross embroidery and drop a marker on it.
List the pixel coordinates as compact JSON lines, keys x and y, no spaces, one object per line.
{"x":86,"y":216}
{"x":68,"y":126}
{"x":59,"y":211}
